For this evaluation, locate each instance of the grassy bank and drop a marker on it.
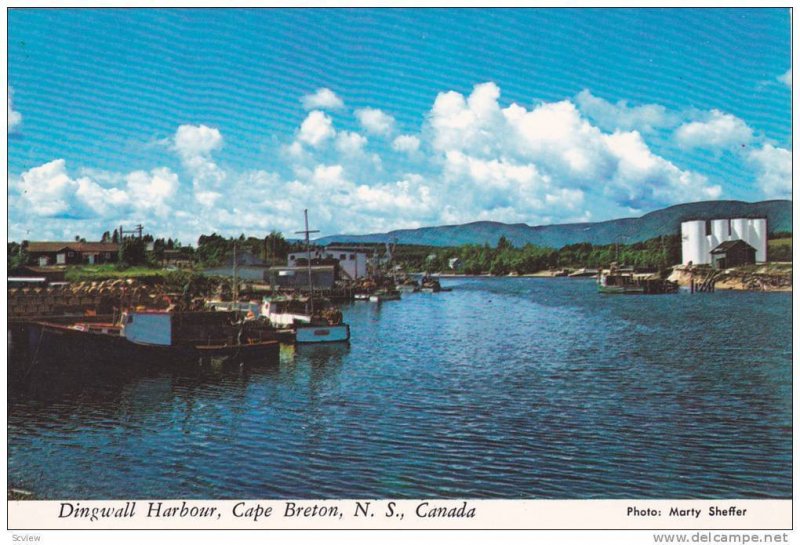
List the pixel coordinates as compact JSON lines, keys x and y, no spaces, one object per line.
{"x":81,"y":273}
{"x":779,"y":249}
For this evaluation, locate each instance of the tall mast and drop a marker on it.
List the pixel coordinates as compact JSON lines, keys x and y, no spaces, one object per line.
{"x":235,"y":280}
{"x":308,"y":259}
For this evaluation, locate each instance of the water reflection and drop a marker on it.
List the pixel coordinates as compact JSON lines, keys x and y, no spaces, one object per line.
{"x":510,"y":388}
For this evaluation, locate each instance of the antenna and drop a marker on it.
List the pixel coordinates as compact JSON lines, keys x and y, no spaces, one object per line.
{"x":308,"y":258}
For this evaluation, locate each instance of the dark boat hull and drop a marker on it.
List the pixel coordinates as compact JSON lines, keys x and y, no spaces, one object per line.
{"x":55,"y":342}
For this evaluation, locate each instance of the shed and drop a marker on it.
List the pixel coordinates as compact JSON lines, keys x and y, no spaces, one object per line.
{"x":322,"y":276}
{"x":732,"y":253}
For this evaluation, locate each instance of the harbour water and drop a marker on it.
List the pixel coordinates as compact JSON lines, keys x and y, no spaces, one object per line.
{"x":502,"y":388}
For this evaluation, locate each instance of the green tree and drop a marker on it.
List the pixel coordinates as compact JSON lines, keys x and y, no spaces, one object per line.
{"x":131,"y":252}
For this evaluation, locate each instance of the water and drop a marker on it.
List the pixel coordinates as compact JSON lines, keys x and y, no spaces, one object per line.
{"x":502,"y":388}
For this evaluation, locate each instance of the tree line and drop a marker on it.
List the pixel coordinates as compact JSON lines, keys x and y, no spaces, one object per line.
{"x":654,"y":254}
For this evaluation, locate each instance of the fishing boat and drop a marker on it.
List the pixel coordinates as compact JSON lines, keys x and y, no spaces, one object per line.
{"x":149,"y":336}
{"x":616,"y":281}
{"x":323,"y":323}
{"x":385,"y":295}
{"x":311,"y":319}
{"x":430,"y":285}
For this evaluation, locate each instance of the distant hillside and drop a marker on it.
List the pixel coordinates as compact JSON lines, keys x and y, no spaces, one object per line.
{"x":626,"y":230}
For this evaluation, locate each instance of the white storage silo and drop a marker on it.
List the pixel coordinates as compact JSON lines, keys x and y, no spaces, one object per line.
{"x":721,"y":231}
{"x":739,"y":228}
{"x":758,"y":232}
{"x":694,"y":243}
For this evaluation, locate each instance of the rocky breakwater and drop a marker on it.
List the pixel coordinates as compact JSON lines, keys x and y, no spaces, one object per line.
{"x":759,"y":277}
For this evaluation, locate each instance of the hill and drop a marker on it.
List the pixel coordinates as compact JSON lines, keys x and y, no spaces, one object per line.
{"x":626,"y":230}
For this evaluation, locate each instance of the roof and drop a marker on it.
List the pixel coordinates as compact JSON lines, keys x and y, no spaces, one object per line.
{"x":75,"y":246}
{"x":730,"y":244}
{"x":303,"y":268}
{"x":354,"y":249}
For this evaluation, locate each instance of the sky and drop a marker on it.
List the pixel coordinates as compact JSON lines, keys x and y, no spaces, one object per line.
{"x":193,"y":121}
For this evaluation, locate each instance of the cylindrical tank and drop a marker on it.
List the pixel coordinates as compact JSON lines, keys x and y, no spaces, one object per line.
{"x":694,"y":244}
{"x":739,"y":227}
{"x":759,"y":234}
{"x":720,"y":229}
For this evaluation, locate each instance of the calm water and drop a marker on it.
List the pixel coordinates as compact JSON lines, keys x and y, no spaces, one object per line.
{"x":512,"y":388}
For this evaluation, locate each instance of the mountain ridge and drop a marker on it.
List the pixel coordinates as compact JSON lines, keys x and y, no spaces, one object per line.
{"x":665,"y":221}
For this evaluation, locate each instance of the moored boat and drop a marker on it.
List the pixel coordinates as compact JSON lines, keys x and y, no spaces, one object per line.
{"x":384,"y":295}
{"x":318,"y":321}
{"x":322,"y":323}
{"x":150,"y":336}
{"x":615,"y":281}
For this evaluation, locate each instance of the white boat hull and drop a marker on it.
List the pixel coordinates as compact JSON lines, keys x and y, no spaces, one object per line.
{"x":322,"y":334}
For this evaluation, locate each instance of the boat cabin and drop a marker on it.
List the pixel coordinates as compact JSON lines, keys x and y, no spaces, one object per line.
{"x":165,"y":328}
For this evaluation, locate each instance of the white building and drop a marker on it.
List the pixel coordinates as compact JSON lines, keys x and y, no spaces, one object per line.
{"x":352,"y":261}
{"x":700,"y":237}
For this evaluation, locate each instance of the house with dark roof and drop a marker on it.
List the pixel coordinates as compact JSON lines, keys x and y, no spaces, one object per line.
{"x":732,"y":253}
{"x":45,"y":254}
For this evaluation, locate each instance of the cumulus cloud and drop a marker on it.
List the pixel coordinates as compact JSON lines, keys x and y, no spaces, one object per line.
{"x":316,"y":128}
{"x":152,"y":190}
{"x":406,"y":142}
{"x":666,"y":183}
{"x":194,"y":145}
{"x":569,"y":153}
{"x":14,"y":117}
{"x":786,"y":78}
{"x":717,"y":130}
{"x":322,"y":99}
{"x":774,"y":171}
{"x":484,"y":160}
{"x":350,"y":142}
{"x":49,"y":191}
{"x":620,"y":116}
{"x":375,"y":121}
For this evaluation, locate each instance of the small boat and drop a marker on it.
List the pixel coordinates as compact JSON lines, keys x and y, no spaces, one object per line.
{"x":322,"y":323}
{"x":312,"y":321}
{"x":150,"y":336}
{"x":384,"y":295}
{"x":407,"y":288}
{"x":361,"y":296}
{"x":407,"y":285}
{"x":616,"y":281}
{"x":430,"y":285}
{"x":584,"y":272}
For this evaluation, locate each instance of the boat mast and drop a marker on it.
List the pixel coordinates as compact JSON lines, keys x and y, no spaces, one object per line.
{"x":235,"y":280}
{"x":308,"y":258}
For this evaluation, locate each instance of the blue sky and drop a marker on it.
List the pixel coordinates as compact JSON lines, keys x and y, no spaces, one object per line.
{"x":193,"y":121}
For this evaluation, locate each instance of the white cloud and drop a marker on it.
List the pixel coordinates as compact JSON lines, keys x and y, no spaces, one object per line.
{"x":567,"y":151}
{"x":316,"y":128}
{"x":620,"y":116}
{"x":194,"y":145}
{"x":375,"y":121}
{"x":153,"y":190}
{"x":14,"y":117}
{"x":407,"y":143}
{"x":774,"y":170}
{"x":197,"y":140}
{"x":665,"y":182}
{"x":786,"y":78}
{"x":350,"y":142}
{"x":322,"y":99}
{"x":717,"y":130}
{"x":49,"y":191}
{"x":103,"y":201}
{"x":549,"y":162}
